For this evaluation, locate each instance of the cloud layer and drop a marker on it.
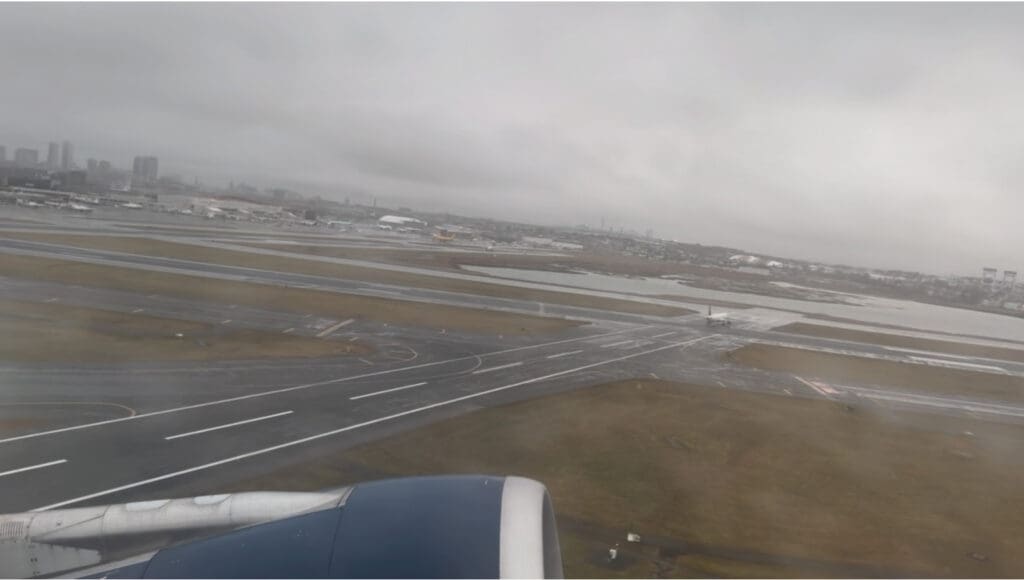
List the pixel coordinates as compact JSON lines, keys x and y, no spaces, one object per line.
{"x":882,"y":135}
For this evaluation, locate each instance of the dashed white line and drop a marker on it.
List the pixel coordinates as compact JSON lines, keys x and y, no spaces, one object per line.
{"x":288,"y":331}
{"x":335,"y":327}
{"x":225,"y":426}
{"x":136,"y":311}
{"x":307,"y":386}
{"x":31,"y":467}
{"x":561,"y":354}
{"x":364,"y":361}
{"x":360,"y":425}
{"x":614,"y":344}
{"x":664,"y":334}
{"x":225,"y":321}
{"x":497,"y":368}
{"x":374,"y":394}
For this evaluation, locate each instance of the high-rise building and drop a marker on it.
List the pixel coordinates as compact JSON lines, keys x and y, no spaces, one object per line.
{"x":67,"y":156}
{"x":91,"y":165}
{"x":1009,"y":277}
{"x":145,"y":169}
{"x":26,"y":157}
{"x":104,"y":167}
{"x":3,"y":153}
{"x":53,"y":155}
{"x":989,"y":274}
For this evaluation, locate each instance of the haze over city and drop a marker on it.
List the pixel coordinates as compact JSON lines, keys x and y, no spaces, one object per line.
{"x":876,"y":135}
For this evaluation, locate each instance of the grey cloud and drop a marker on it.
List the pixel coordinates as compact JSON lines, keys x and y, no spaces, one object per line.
{"x":876,"y":134}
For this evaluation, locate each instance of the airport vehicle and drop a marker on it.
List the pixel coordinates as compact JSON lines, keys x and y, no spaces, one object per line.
{"x":470,"y":526}
{"x":718,"y":318}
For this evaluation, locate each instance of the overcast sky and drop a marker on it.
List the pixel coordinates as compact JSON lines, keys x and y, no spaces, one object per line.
{"x":879,"y":135}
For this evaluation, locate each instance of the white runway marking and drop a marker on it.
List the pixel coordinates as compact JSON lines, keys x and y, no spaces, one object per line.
{"x":225,"y":321}
{"x":136,"y":311}
{"x":561,"y":354}
{"x":970,"y":407}
{"x":363,"y":360}
{"x":312,"y":385}
{"x":360,"y":425}
{"x":614,"y":344}
{"x":821,"y":388}
{"x":497,"y":368}
{"x":385,"y":391}
{"x":958,"y":365}
{"x":336,"y":327}
{"x":225,"y":426}
{"x":664,"y":334}
{"x":288,"y":331}
{"x":31,"y":467}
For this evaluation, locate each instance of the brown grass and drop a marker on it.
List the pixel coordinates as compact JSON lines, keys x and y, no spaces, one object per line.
{"x":728,"y":483}
{"x":52,"y":332}
{"x":943,"y":346}
{"x":862,"y":370}
{"x":149,"y":247}
{"x":280,"y":298}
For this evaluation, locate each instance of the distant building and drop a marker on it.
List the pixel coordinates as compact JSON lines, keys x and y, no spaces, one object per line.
{"x":145,"y":168}
{"x":26,"y":157}
{"x":91,"y":165}
{"x":53,"y":155}
{"x":73,"y":179}
{"x":3,"y":154}
{"x":989,"y":274}
{"x":103,"y":167}
{"x":401,"y":221}
{"x":1009,"y":277}
{"x":67,"y":156}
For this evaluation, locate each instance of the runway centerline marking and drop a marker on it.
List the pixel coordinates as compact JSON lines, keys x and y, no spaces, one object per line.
{"x":497,"y":368}
{"x":561,"y":354}
{"x":335,"y":327}
{"x":313,"y":384}
{"x":31,"y":467}
{"x":614,"y":344}
{"x":385,"y":391}
{"x":664,"y":334}
{"x":361,"y":425}
{"x":226,"y":425}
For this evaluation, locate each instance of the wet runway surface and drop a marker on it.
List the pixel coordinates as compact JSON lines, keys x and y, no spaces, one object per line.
{"x":111,"y":433}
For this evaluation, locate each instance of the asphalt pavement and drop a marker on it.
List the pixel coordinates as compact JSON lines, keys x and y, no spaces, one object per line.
{"x":125,"y":432}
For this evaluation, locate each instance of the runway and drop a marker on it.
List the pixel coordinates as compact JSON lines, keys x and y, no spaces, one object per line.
{"x":150,"y":430}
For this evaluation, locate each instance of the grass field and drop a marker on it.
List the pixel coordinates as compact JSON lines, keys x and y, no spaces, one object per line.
{"x":608,"y":263}
{"x":160,"y":248}
{"x":728,"y":483}
{"x":51,"y":332}
{"x":280,"y":298}
{"x":944,"y":346}
{"x":917,"y":377}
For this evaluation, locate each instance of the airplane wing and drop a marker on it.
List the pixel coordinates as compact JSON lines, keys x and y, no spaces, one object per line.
{"x":421,"y":527}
